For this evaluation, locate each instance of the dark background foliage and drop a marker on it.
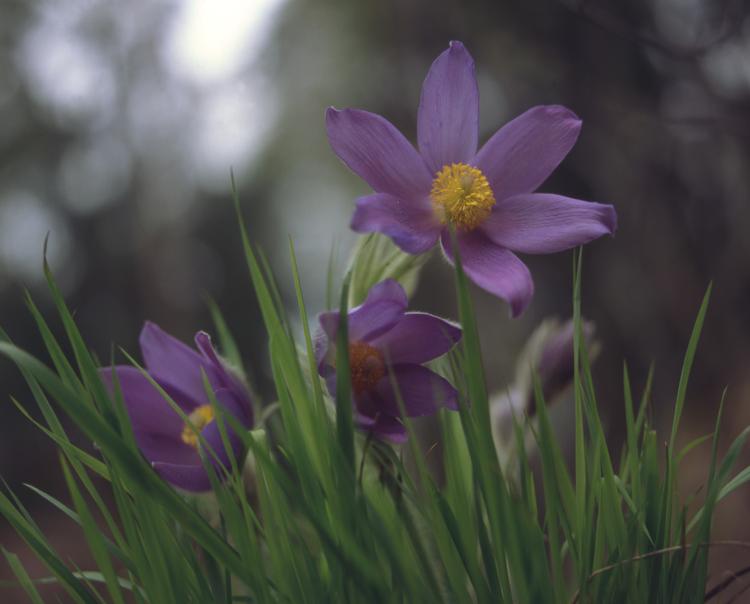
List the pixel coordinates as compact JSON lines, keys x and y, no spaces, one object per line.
{"x":119,"y":123}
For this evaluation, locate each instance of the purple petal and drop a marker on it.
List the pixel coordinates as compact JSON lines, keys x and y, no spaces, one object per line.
{"x":157,"y":428}
{"x":188,"y":473}
{"x":418,"y":338}
{"x":370,"y":416}
{"x":148,"y":410}
{"x":493,"y":268}
{"x":448,"y":118}
{"x":212,"y":433}
{"x":234,"y":405}
{"x":555,"y":362}
{"x":206,"y":348}
{"x":329,"y":375}
{"x":171,"y":361}
{"x":371,"y":320}
{"x":188,"y":477}
{"x":368,"y":407}
{"x":556,"y":359}
{"x":375,"y":150}
{"x":542,"y":223}
{"x":422,"y":391}
{"x":411,"y":224}
{"x":522,"y":154}
{"x":388,"y":428}
{"x":384,"y":306}
{"x":388,"y":290}
{"x":325,"y":339}
{"x":166,"y":449}
{"x":223,"y":376}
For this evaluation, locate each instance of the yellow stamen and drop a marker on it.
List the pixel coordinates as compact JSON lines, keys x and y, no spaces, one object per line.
{"x":198,"y":419}
{"x":462,"y":196}
{"x":366,"y":366}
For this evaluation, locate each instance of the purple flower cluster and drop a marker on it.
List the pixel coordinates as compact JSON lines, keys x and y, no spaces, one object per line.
{"x":488,"y":196}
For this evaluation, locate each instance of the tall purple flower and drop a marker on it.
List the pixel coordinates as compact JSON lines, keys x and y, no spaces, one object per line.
{"x":387,"y":345}
{"x":166,"y":441}
{"x":487,"y":195}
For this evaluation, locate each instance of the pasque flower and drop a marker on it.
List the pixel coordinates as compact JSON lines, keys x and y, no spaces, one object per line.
{"x":488,"y":196}
{"x":548,"y":356}
{"x":387,"y":347}
{"x":170,"y":444}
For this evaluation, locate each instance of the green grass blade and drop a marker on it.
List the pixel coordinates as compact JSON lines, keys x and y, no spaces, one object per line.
{"x":344,"y":421}
{"x":229,"y":349}
{"x":687,"y":365}
{"x":23,"y":578}
{"x":37,"y":542}
{"x":95,"y":540}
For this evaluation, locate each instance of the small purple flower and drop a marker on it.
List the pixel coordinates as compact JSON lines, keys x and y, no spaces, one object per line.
{"x":388,"y":344}
{"x":555,"y":365}
{"x":487,"y":195}
{"x":549,"y":356}
{"x":166,"y":441}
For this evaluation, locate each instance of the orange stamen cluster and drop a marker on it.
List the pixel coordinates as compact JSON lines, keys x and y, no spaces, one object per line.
{"x":366,"y":365}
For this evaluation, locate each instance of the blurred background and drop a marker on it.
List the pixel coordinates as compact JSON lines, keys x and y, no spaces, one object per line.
{"x":120,"y":121}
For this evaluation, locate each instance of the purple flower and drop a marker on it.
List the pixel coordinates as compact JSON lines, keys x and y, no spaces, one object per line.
{"x":387,"y":345}
{"x":555,"y":364}
{"x":487,"y":195}
{"x":548,"y":355}
{"x":167,"y":442}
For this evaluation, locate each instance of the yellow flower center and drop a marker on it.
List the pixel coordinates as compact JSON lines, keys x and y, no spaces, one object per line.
{"x":366,"y":365}
{"x":198,"y":419}
{"x":462,"y":196}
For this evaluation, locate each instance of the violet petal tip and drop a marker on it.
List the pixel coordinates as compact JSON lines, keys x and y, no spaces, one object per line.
{"x":332,"y":113}
{"x":610,"y":219}
{"x":519,"y":303}
{"x":561,"y":112}
{"x":202,"y":338}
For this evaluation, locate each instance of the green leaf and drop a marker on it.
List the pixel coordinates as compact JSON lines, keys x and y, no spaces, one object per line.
{"x":376,"y":258}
